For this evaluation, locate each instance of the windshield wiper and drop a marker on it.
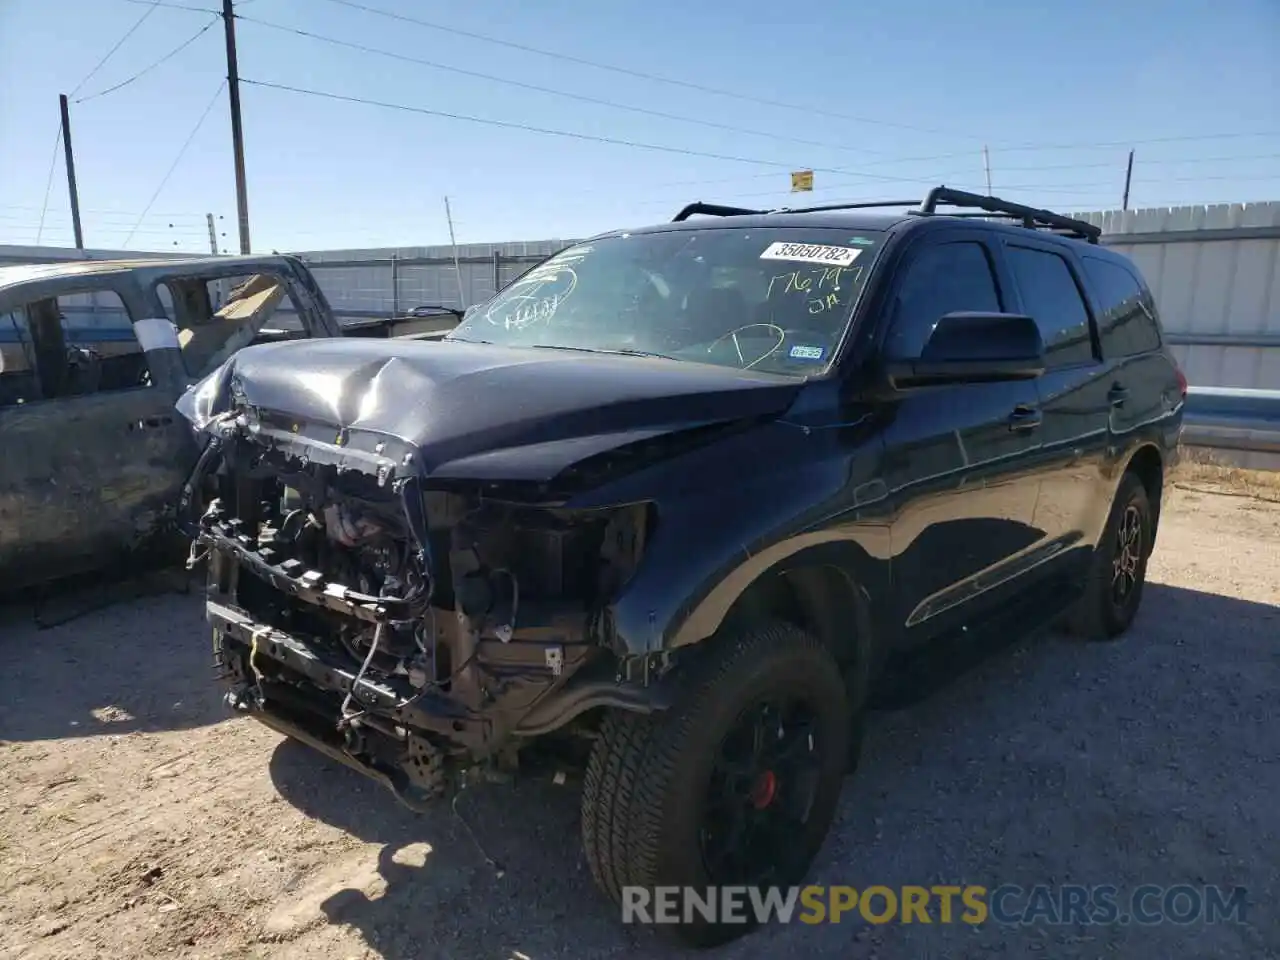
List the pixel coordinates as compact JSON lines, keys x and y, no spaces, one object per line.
{"x":624,"y":351}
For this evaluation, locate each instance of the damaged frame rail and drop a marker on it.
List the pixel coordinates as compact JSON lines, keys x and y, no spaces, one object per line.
{"x":405,"y":736}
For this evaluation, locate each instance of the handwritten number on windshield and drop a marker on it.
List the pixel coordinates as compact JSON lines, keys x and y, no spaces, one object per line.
{"x":547,"y":288}
{"x":820,"y":286}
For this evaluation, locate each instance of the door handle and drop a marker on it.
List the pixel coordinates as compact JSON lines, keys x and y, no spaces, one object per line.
{"x":154,"y":422}
{"x":1024,"y":418}
{"x":1117,"y":395}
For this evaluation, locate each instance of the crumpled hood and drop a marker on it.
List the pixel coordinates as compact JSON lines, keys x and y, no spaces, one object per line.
{"x":478,"y":410}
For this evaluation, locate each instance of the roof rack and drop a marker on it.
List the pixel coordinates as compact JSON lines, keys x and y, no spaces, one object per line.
{"x":717,"y":210}
{"x":713,"y":210}
{"x":1032,"y":218}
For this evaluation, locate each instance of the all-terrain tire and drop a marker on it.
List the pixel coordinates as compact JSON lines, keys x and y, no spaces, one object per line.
{"x":650,"y":835}
{"x":1099,"y":614}
{"x":607,"y":792}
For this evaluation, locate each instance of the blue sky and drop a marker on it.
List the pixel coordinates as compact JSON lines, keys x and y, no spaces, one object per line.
{"x":899,"y":94}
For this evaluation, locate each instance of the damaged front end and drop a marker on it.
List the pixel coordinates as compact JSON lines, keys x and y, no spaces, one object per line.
{"x":420,"y":556}
{"x":409,"y":632}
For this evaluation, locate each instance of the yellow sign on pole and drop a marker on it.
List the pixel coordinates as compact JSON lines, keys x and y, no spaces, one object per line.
{"x":801,"y":180}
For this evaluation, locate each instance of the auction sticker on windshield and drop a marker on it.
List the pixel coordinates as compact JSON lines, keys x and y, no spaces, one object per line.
{"x":810,"y":253}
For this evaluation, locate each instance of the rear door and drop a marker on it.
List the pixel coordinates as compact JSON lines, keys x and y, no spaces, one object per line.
{"x":94,"y":453}
{"x":956,"y":457}
{"x":1144,"y":378}
{"x":1075,"y":399}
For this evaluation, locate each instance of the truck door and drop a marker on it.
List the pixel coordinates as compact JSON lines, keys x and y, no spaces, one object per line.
{"x":94,"y":454}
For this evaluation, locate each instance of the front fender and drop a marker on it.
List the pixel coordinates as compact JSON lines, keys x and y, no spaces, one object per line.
{"x":736,"y":510}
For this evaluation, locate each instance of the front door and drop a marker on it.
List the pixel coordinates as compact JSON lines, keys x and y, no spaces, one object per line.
{"x":957,"y":469}
{"x":94,"y":453}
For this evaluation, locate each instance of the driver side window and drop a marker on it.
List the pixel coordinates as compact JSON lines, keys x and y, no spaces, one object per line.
{"x":941,"y":279}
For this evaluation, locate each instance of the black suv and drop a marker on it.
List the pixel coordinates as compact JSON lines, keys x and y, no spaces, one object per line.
{"x":677,"y":493}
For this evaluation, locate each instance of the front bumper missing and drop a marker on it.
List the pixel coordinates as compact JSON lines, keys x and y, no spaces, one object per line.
{"x":296,"y":688}
{"x":392,"y":779}
{"x":424,"y":710}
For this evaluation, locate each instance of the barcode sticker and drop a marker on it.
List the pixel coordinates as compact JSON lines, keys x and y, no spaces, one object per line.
{"x":811,"y":253}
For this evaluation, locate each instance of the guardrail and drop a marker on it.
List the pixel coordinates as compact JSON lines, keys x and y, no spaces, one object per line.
{"x":1223,"y":418}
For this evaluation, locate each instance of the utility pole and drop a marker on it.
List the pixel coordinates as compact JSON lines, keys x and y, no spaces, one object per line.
{"x":986,"y":164}
{"x":1128,"y":180}
{"x":213,"y":235}
{"x":71,"y":171}
{"x":457,"y":267}
{"x":237,"y":134}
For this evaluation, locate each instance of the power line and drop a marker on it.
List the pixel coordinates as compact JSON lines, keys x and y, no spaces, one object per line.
{"x":176,"y":160}
{"x":1059,"y":188}
{"x":148,"y":231}
{"x":939,"y":177}
{"x":530,"y":128}
{"x":550,"y":90}
{"x":128,"y":214}
{"x":48,"y":183}
{"x":1101,"y":144}
{"x":127,"y":34}
{"x":1144,"y":163}
{"x":656,"y":78}
{"x":172,"y":6}
{"x":806,"y":108}
{"x":147,"y":69}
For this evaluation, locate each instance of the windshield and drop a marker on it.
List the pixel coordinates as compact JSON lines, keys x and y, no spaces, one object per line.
{"x":775,"y":299}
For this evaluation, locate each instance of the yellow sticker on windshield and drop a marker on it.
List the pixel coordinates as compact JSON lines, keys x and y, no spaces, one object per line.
{"x":811,"y":253}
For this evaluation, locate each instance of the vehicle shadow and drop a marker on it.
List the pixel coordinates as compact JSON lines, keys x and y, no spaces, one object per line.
{"x":942,"y":794}
{"x":142,"y":664}
{"x":484,"y":888}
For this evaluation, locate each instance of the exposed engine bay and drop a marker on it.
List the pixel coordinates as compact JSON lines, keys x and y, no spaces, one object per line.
{"x":410,"y":632}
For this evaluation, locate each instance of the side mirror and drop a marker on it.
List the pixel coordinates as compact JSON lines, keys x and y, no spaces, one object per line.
{"x":974,"y":348}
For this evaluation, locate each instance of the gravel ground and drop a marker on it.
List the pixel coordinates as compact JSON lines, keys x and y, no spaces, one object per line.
{"x":139,"y":821}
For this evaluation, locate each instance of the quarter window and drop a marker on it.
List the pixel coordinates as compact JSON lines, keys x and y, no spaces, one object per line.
{"x":1126,"y":320}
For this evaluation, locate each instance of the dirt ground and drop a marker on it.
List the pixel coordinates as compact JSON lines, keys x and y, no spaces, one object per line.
{"x":139,"y":821}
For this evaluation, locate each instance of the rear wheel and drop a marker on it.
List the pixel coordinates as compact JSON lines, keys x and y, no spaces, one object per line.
{"x":1113,"y":591}
{"x":735,"y":785}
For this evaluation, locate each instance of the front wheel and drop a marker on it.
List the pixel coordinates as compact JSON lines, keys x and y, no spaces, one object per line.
{"x":1118,"y":569}
{"x":735,"y":785}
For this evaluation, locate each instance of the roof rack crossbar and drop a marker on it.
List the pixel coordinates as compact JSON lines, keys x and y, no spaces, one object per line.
{"x":1031,"y":217}
{"x":712,"y":210}
{"x":860,"y":205}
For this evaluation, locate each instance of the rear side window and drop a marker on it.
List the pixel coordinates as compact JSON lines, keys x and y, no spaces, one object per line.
{"x":1050,"y":295}
{"x":70,"y":346}
{"x":941,"y":279}
{"x":1126,"y":316}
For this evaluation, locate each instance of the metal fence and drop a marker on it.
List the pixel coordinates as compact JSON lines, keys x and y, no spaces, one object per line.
{"x":368,"y":284}
{"x":1215,"y":273}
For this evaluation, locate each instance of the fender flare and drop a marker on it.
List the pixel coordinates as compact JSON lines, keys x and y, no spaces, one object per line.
{"x":828,"y":570}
